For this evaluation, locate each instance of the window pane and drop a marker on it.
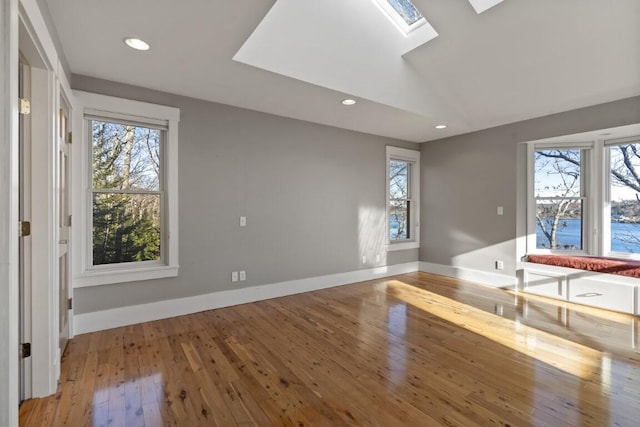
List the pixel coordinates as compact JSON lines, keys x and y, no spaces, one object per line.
{"x":557,"y":173}
{"x":406,"y":10}
{"x":625,"y":197}
{"x":398,"y":179}
{"x":559,"y":224}
{"x":126,"y":228}
{"x":125,"y":156}
{"x":398,"y":200}
{"x":399,"y":220}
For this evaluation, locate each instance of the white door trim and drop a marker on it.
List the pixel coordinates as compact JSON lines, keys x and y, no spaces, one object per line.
{"x":9,"y":213}
{"x":47,"y":80}
{"x":44,"y":293}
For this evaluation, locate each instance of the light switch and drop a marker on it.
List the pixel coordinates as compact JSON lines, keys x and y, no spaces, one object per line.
{"x":243,"y":221}
{"x":500,"y":210}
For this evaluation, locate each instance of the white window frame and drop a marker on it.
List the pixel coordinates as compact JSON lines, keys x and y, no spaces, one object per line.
{"x":597,"y":209}
{"x":606,"y":197}
{"x":587,"y":195}
{"x":108,"y":107}
{"x":412,"y":157}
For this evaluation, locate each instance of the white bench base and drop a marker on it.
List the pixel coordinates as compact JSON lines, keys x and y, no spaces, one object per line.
{"x":608,"y":291}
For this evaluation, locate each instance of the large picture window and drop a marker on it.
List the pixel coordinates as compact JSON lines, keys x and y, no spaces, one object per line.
{"x":128,"y":208}
{"x":403,"y":169}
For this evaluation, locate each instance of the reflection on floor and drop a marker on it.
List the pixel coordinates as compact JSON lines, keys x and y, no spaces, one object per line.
{"x":415,"y":349}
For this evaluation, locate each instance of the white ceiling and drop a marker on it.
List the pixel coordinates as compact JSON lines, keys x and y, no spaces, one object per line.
{"x":519,"y":59}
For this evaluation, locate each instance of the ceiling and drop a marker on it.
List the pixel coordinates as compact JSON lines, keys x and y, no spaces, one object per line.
{"x":519,"y":59}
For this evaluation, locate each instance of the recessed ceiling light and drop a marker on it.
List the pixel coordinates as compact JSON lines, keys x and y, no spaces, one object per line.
{"x":348,"y":101}
{"x":441,"y":126}
{"x":136,"y":44}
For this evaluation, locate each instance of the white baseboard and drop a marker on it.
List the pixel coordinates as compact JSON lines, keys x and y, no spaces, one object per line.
{"x":122,"y":316}
{"x":482,"y":277}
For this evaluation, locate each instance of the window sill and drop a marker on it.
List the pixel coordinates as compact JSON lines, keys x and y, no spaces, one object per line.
{"x":401,"y":246}
{"x":110,"y":277}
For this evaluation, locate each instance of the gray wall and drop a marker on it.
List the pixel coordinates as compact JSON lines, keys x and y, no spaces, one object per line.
{"x":464,"y":179}
{"x":313,"y":195}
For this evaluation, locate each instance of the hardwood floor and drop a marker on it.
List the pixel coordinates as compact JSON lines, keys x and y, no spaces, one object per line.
{"x":414,"y":350}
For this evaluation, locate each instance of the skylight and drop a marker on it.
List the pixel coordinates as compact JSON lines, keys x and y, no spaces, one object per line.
{"x":406,"y":10}
{"x":403,"y":14}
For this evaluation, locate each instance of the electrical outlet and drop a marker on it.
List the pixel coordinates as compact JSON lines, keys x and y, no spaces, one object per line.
{"x":377,"y":258}
{"x":234,"y":276}
{"x":499,"y":265}
{"x":243,"y":276}
{"x":364,"y":259}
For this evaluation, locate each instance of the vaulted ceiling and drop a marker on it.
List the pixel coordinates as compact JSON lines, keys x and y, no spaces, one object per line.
{"x":517,"y":60}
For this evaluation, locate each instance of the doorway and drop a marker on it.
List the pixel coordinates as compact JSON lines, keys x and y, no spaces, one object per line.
{"x":64,"y":222}
{"x":24,"y":242}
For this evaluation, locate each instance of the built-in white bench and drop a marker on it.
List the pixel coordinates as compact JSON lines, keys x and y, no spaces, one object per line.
{"x":594,"y":288}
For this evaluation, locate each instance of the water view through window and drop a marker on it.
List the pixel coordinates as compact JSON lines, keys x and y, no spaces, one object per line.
{"x":559,"y":199}
{"x":399,"y":203}
{"x":624,"y":190}
{"x":562,"y":200}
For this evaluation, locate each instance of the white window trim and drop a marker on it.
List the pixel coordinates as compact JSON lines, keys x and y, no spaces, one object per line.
{"x":107,"y":106}
{"x":413,"y":157}
{"x":597,"y":238}
{"x":587,"y":173}
{"x":605,"y":248}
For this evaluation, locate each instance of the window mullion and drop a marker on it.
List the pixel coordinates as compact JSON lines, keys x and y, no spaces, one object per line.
{"x":124,"y":191}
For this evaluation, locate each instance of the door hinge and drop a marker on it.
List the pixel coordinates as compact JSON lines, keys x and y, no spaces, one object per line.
{"x":24,"y":106}
{"x":25,"y":229}
{"x":69,"y":303}
{"x":25,"y":350}
{"x":68,"y":220}
{"x":69,"y":137}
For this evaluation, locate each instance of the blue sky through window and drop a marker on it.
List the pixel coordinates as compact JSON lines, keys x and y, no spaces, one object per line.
{"x":406,"y":10}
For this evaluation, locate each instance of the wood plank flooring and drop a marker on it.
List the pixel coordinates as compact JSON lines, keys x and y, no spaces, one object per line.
{"x":414,"y":350}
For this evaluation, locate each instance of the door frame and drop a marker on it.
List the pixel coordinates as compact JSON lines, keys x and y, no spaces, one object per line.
{"x":48,"y":82}
{"x":63,"y":229}
{"x":24,"y":202}
{"x":9,"y":213}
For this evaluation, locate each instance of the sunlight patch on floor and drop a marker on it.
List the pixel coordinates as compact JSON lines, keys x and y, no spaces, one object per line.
{"x":570,"y":357}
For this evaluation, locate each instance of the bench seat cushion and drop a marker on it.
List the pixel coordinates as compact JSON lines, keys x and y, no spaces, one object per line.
{"x":622,"y":267}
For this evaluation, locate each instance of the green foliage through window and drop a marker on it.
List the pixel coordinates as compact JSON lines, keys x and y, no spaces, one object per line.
{"x":127,"y":193}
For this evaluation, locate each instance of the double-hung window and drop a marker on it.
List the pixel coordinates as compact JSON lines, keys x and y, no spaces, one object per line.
{"x":584,"y":198}
{"x":621,"y":230}
{"x":127,"y":191}
{"x":403,"y":198}
{"x":561,"y":199}
{"x":129,"y":204}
